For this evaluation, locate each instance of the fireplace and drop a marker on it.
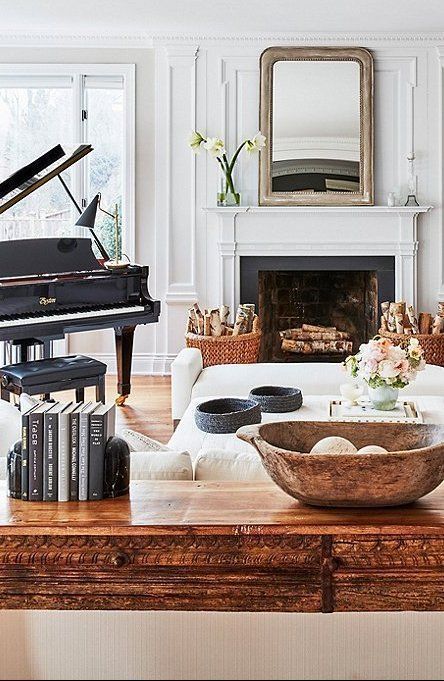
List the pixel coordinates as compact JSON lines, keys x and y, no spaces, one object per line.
{"x":340,"y":292}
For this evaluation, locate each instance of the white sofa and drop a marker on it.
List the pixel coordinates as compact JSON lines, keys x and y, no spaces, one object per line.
{"x":190,"y":380}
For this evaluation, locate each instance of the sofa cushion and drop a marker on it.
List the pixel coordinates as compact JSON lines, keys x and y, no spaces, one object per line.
{"x":161,"y":466}
{"x":315,"y":378}
{"x":220,"y":464}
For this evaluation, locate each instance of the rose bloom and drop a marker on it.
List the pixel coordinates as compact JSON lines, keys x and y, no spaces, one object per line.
{"x":416,"y":353}
{"x":388,"y":369}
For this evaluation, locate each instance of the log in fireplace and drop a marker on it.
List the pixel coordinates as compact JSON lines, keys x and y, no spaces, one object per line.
{"x":295,"y":295}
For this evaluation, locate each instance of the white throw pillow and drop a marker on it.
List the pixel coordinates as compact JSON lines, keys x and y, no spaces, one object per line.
{"x":27,"y":402}
{"x":137,"y":442}
{"x":220,"y":464}
{"x":161,"y":466}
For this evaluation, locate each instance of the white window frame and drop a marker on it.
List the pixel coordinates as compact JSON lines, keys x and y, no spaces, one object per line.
{"x":76,"y":72}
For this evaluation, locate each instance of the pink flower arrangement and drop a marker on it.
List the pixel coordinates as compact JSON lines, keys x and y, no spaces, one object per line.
{"x":380,"y":362}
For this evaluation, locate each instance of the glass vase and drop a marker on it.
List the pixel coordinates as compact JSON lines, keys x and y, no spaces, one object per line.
{"x":228,"y":199}
{"x":384,"y":397}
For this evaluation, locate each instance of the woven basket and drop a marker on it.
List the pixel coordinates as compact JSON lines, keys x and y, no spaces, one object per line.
{"x":432,"y":344}
{"x":242,"y":349}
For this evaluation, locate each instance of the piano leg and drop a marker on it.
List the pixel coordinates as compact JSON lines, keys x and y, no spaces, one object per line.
{"x":124,"y":353}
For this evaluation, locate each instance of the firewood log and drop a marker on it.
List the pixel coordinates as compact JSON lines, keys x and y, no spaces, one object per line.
{"x":192,"y":318}
{"x":207,"y":324}
{"x":190,"y":325}
{"x":425,"y":322}
{"x":316,"y":347}
{"x":391,"y":318}
{"x":224,"y":312}
{"x":438,"y":325}
{"x":441,"y":309}
{"x":215,"y":323}
{"x":248,"y":309}
{"x":399,"y":307}
{"x":321,"y":329}
{"x":412,"y":319}
{"x":256,"y":324}
{"x":399,"y":321}
{"x":241,"y":322}
{"x":298,"y":334}
{"x":200,"y":319}
{"x":384,"y":325}
{"x":385,"y":308}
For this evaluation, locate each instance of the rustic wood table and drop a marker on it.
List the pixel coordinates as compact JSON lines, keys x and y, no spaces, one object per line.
{"x":220,"y":546}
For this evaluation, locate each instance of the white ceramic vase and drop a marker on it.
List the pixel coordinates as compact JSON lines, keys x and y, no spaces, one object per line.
{"x":384,"y":397}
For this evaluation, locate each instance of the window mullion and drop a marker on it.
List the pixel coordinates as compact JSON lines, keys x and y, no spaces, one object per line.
{"x":78,"y":170}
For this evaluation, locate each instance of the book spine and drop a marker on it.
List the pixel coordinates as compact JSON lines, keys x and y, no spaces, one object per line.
{"x":25,"y":457}
{"x":36,"y":457}
{"x":96,"y":456}
{"x":74,"y":468}
{"x":50,"y":457}
{"x":64,"y":457}
{"x":83,"y":456}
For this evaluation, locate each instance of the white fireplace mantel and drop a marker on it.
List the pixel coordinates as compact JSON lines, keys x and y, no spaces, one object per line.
{"x":318,"y":231}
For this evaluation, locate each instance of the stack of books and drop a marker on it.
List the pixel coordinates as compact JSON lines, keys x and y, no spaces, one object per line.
{"x":63,"y":450}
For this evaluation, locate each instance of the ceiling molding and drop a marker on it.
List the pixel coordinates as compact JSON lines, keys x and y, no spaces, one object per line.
{"x":40,"y":39}
{"x":145,"y":39}
{"x":304,"y":37}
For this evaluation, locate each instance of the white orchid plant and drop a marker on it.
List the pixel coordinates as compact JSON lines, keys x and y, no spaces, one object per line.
{"x":216,"y":148}
{"x":379,"y":362}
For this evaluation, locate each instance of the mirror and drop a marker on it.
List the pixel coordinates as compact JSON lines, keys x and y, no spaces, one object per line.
{"x":317,"y":114}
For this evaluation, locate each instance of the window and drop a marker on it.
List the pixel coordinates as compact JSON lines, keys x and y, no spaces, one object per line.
{"x":43,"y":105}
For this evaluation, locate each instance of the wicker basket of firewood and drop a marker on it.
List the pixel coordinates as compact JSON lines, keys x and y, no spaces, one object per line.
{"x":432,"y":344}
{"x":223,"y":343}
{"x":400,"y":323}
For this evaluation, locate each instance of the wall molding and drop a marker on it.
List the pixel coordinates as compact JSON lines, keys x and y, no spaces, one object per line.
{"x":138,"y":39}
{"x":144,"y":363}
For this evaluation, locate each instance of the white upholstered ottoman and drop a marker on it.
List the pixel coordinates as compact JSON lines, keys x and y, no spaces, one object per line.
{"x":225,"y":457}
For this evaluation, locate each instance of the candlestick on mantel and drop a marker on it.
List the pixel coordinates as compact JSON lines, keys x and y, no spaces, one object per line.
{"x":411,"y":198}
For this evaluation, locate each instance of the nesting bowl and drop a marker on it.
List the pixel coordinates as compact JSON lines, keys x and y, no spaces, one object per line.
{"x":276,"y":398}
{"x":226,"y":414}
{"x":412,"y":467}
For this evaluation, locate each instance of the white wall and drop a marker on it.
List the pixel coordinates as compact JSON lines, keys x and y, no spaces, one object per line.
{"x":177,"y":645}
{"x":213,"y":84}
{"x":219,"y":92}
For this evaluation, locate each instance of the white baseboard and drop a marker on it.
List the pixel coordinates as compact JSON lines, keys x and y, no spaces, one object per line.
{"x":144,"y":363}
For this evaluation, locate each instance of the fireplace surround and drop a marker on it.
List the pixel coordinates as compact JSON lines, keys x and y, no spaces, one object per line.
{"x":344,"y":292}
{"x":340,"y":232}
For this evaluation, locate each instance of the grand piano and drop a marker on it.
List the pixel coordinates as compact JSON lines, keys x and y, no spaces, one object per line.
{"x":51,"y":286}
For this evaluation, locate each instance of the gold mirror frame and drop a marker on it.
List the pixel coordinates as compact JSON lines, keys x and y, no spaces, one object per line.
{"x":308,"y":198}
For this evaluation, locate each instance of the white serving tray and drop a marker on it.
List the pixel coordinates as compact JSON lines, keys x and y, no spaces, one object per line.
{"x":406,"y":411}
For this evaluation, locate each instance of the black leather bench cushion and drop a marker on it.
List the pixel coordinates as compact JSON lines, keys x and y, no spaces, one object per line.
{"x":43,"y":371}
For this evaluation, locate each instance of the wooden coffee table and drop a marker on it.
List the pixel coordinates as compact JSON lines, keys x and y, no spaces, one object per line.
{"x":220,"y":546}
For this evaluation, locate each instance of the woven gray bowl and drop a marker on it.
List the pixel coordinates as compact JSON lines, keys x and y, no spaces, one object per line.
{"x":276,"y":398}
{"x":226,"y":415}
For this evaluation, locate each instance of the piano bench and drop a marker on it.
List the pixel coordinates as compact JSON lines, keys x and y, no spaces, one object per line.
{"x":45,"y":376}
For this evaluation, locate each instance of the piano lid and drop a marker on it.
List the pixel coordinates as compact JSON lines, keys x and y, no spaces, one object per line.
{"x":47,"y":255}
{"x":37,"y":173}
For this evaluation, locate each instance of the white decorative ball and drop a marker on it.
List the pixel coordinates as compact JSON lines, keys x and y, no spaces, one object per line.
{"x":372,"y":449}
{"x":333,"y":445}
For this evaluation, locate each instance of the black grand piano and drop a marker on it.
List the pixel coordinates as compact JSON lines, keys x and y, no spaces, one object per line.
{"x":51,"y":286}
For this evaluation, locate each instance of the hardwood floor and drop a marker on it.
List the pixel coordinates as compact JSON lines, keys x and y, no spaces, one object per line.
{"x":148,"y":409}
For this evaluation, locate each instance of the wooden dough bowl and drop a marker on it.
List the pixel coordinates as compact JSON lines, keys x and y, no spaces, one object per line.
{"x":413,"y":466}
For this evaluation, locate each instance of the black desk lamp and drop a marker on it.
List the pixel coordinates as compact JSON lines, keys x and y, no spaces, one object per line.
{"x":88,"y":219}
